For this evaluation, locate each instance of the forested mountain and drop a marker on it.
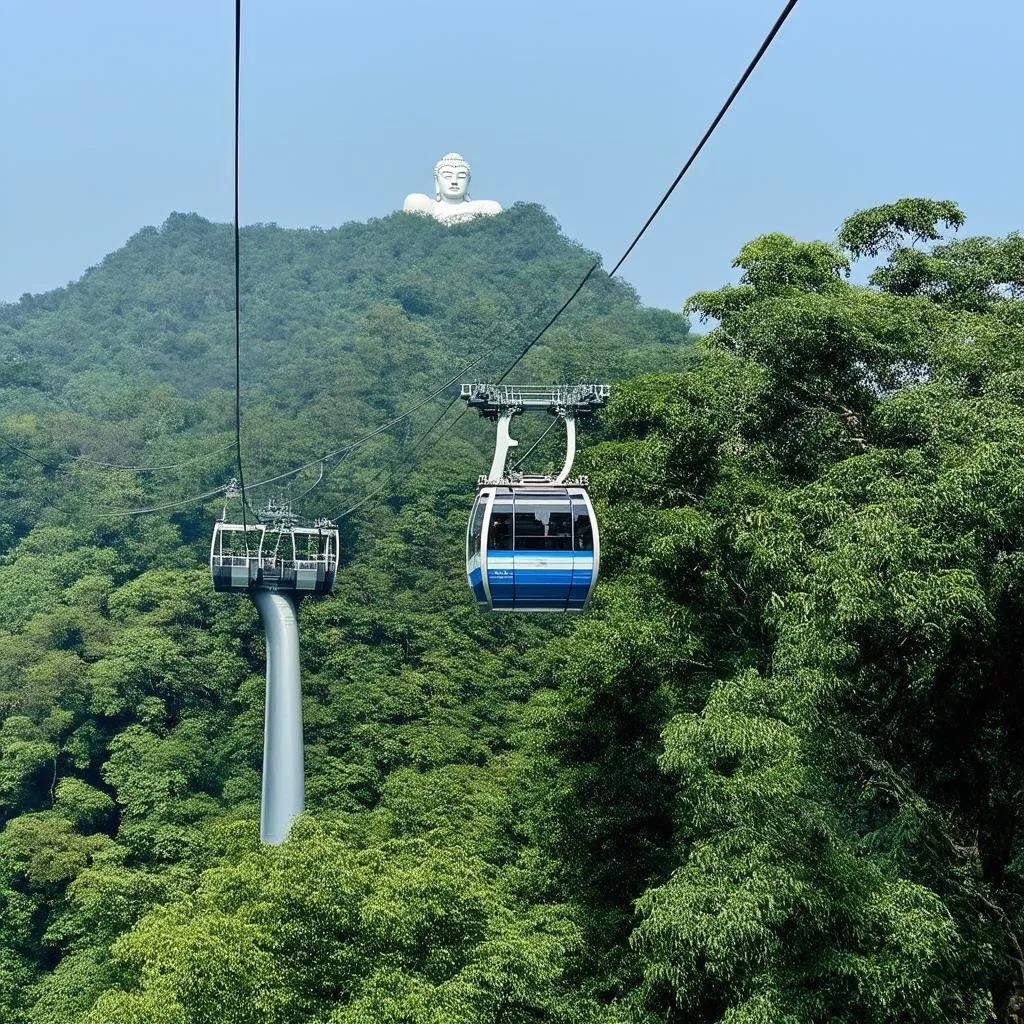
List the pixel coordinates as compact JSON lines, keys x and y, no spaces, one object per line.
{"x":773,"y":774}
{"x":131,"y":694}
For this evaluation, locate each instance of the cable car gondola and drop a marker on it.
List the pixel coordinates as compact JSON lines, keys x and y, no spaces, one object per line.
{"x":275,"y":553}
{"x":532,"y":549}
{"x":532,"y":544}
{"x":278,"y":563}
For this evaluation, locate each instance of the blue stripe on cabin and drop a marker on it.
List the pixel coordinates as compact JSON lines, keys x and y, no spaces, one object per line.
{"x":553,"y":581}
{"x":476,"y":583}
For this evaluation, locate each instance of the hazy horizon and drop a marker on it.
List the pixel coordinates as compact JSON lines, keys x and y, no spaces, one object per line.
{"x":118,"y":115}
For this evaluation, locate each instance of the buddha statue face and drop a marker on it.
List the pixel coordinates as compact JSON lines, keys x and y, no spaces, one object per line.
{"x":451,"y":178}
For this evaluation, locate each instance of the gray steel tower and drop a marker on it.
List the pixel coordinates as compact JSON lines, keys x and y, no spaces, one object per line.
{"x":277,"y":563}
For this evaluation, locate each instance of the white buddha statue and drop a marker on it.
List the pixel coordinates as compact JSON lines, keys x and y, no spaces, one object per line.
{"x":451,"y":203}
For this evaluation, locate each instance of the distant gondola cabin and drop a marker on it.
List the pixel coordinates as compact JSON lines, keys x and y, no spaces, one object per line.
{"x":297,"y":559}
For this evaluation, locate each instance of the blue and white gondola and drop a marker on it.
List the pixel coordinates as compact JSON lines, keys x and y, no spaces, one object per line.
{"x":532,"y":548}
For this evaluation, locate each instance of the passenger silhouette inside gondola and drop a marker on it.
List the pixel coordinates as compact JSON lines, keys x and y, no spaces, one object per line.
{"x":529,"y":532}
{"x":499,"y":537}
{"x":583,"y":532}
{"x":560,"y":531}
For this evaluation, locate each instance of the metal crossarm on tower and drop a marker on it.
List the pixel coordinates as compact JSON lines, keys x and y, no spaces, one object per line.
{"x":277,"y":513}
{"x":493,"y":400}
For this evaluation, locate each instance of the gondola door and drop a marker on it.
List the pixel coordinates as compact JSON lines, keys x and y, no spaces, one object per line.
{"x":499,"y":558}
{"x":586,"y":551}
{"x":543,"y":550}
{"x":475,"y":567}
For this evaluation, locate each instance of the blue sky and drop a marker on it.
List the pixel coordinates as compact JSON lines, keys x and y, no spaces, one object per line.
{"x":117,"y":112}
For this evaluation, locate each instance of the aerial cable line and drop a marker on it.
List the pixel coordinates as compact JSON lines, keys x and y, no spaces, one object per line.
{"x":540,"y":334}
{"x":409,"y":461}
{"x":359,"y":504}
{"x":711,"y":128}
{"x":315,"y":483}
{"x":28,"y":455}
{"x":112,"y":466}
{"x":346,"y":448}
{"x":382,"y":471}
{"x":125,"y":512}
{"x":404,"y":416}
{"x":419,"y":444}
{"x":376,"y":432}
{"x":444,"y":412}
{"x":238,"y":375}
{"x":423,"y":437}
{"x":769,"y":38}
{"x":325,"y":471}
{"x":237,"y":443}
{"x":157,"y":508}
{"x":238,"y":289}
{"x":678,"y":178}
{"x":535,"y":445}
{"x":119,"y":512}
{"x":343,"y":451}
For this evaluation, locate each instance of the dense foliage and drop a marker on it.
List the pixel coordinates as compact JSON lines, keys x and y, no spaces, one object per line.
{"x":131,"y":695}
{"x":773,"y":774}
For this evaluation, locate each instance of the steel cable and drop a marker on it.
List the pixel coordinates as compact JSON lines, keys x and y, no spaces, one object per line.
{"x":238,"y":288}
{"x":773,"y":32}
{"x":112,"y":466}
{"x":769,"y":38}
{"x":533,"y":341}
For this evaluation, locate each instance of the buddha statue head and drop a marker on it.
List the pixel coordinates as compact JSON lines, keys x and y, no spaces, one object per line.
{"x":451,"y":178}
